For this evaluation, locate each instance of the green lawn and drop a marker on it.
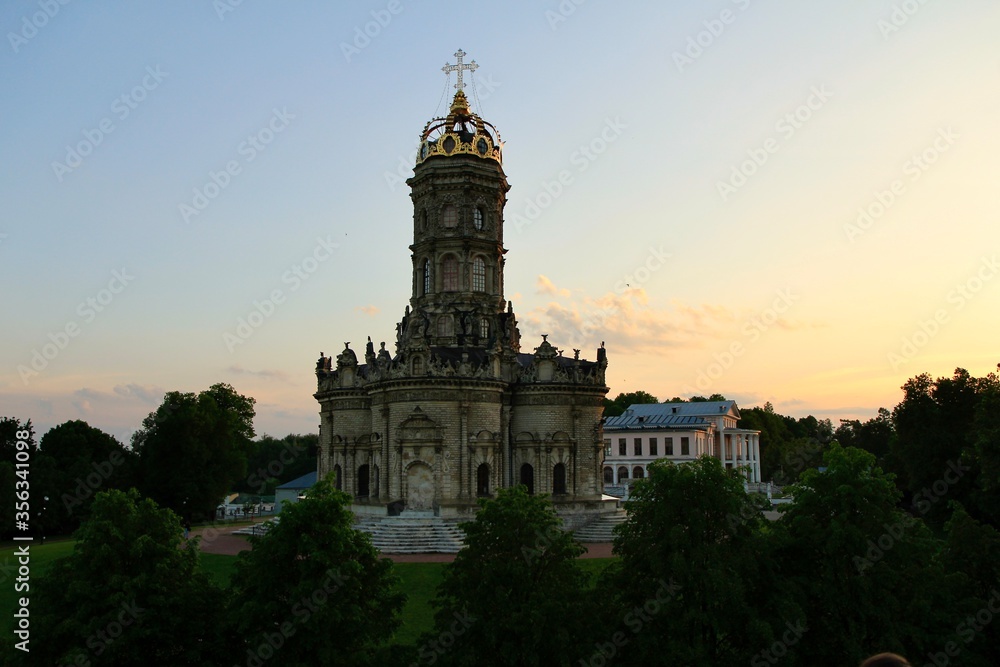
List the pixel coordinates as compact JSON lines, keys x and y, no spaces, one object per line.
{"x":417,"y":580}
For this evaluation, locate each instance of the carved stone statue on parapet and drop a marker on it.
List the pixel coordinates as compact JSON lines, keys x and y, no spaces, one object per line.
{"x":321,"y":362}
{"x":347,"y":357}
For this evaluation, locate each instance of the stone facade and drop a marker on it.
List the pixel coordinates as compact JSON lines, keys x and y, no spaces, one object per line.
{"x":457,"y":410}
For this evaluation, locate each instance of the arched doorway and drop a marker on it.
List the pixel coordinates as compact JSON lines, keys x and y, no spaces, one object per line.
{"x":622,"y":475}
{"x":528,"y":477}
{"x":483,"y":480}
{"x":363,"y":481}
{"x":559,"y":479}
{"x":419,"y":487}
{"x":609,"y":475}
{"x":638,"y":473}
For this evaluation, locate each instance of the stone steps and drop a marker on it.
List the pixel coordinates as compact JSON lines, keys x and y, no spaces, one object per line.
{"x":601,"y":529}
{"x":406,"y":535}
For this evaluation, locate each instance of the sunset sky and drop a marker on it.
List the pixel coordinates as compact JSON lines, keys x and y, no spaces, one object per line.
{"x":775,"y":201}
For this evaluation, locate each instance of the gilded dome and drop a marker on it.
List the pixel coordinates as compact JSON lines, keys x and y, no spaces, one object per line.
{"x":461,"y":132}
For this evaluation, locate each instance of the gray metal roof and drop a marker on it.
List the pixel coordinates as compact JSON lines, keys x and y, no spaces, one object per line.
{"x":304,"y":482}
{"x":670,"y":415}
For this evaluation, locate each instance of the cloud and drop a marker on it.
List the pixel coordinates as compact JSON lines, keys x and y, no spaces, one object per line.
{"x":266,"y":374}
{"x":545,"y":286}
{"x":626,"y":320}
{"x":151,"y":395}
{"x":368,"y":310}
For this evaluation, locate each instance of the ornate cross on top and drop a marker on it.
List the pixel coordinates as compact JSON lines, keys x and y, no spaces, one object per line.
{"x":459,"y":67}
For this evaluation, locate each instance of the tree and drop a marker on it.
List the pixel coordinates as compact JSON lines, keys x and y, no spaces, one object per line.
{"x":874,"y":435}
{"x":130,"y":593}
{"x":83,"y":460}
{"x":271,"y":462}
{"x":935,"y":429}
{"x":621,"y":402}
{"x":694,"y":584}
{"x":864,"y":571}
{"x":194,"y":447}
{"x":515,"y":594}
{"x":10,"y":429}
{"x":315,"y":589}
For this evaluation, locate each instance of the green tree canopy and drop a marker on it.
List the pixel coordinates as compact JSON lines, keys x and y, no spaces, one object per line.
{"x":863,"y":570}
{"x":194,"y":448}
{"x":313,"y":590}
{"x":613,"y":408}
{"x":694,"y":584}
{"x":515,"y":594}
{"x":131,"y":593}
{"x":83,"y":461}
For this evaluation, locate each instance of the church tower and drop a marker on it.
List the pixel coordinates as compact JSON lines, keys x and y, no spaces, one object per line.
{"x":457,"y":410}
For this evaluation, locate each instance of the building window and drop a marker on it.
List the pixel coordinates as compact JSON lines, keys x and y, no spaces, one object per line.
{"x":444,"y":326}
{"x":668,"y":446}
{"x":483,"y":480}
{"x":638,"y":472}
{"x":607,"y":451}
{"x":484,"y":328}
{"x":622,"y":475}
{"x":621,"y":447}
{"x":478,"y":275}
{"x":559,"y":479}
{"x":427,"y":277}
{"x":338,"y":478}
{"x":609,"y":474}
{"x":449,"y":217}
{"x":685,"y":446}
{"x":363,"y":481}
{"x":652,"y":447}
{"x":528,"y":478}
{"x":477,"y":218}
{"x":449,"y":274}
{"x":637,"y":447}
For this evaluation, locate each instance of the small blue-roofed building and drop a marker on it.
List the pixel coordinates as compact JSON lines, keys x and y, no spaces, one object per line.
{"x":678,"y":432}
{"x":289,"y":492}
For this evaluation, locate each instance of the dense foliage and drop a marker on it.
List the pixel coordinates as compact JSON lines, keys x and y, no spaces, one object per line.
{"x":314,"y":590}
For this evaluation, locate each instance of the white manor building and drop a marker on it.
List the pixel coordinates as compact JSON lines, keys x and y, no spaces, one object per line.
{"x":678,"y":432}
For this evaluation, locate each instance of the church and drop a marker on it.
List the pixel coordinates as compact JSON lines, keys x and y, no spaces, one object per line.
{"x":457,"y":409}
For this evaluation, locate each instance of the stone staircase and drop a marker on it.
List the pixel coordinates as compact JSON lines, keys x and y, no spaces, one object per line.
{"x":413,"y":535}
{"x":600,"y":529}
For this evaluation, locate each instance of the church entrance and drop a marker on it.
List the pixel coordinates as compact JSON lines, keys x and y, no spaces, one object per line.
{"x":528,"y":477}
{"x":419,"y":487}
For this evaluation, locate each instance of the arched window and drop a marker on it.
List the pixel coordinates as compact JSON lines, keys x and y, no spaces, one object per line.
{"x":559,"y":479}
{"x":477,"y":218}
{"x":637,"y":473}
{"x":449,"y":274}
{"x":338,"y":478}
{"x":483,"y":480}
{"x":622,"y":474}
{"x":423,"y":221}
{"x":418,"y":365}
{"x":478,"y":275}
{"x":484,"y":328}
{"x":444,"y":325}
{"x":609,"y":475}
{"x":449,"y":217}
{"x":528,"y":477}
{"x":363,"y":481}
{"x":427,"y":277}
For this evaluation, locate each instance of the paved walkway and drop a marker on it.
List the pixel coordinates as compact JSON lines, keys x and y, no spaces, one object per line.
{"x":222,"y":541}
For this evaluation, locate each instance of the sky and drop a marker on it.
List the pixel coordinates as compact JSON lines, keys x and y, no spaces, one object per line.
{"x":776,"y":201}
